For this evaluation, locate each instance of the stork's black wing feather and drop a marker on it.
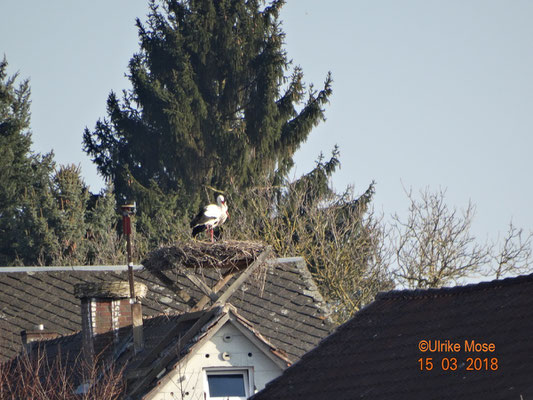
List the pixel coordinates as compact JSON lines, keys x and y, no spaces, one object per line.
{"x":198,"y":229}
{"x":197,"y":218}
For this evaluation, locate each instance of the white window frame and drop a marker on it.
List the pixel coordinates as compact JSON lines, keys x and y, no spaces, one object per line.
{"x":246,"y":372}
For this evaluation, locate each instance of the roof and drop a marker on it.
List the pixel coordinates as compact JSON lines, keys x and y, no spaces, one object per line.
{"x":193,"y":329}
{"x":281,"y":301}
{"x":169,"y":340}
{"x":375,"y":355}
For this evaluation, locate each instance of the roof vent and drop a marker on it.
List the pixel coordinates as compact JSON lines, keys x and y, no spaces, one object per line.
{"x":227,"y":338}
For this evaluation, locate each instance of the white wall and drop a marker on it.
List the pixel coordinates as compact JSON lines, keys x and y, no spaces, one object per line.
{"x":189,"y":379}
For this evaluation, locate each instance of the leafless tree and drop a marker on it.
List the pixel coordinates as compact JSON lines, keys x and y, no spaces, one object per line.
{"x":38,"y":377}
{"x":514,"y":255}
{"x":434,"y":245}
{"x":338,"y":235}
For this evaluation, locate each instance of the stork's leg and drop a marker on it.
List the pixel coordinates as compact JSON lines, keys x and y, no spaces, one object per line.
{"x":209,"y":232}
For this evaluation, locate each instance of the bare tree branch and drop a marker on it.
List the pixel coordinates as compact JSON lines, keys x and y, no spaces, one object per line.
{"x":434,"y":246}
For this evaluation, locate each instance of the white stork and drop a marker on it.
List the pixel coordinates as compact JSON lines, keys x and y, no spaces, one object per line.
{"x":210,"y":217}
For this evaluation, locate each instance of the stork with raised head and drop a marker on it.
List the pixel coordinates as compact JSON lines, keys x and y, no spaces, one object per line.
{"x":210,"y":217}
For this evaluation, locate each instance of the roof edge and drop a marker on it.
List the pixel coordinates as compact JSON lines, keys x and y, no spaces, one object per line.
{"x":222,"y":315}
{"x":309,"y":281}
{"x":277,"y":355}
{"x":89,"y":268}
{"x":454,"y":290}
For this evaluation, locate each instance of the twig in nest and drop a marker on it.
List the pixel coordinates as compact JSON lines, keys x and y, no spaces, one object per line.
{"x":221,"y":255}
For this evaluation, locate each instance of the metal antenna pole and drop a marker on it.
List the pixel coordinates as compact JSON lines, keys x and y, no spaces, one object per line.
{"x":136,"y":312}
{"x":127,"y":211}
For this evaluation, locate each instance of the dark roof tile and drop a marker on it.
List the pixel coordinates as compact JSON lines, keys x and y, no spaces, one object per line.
{"x":276,"y":302}
{"x":375,"y":354}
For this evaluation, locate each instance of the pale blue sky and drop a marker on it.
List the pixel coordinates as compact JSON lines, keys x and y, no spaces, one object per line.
{"x":426,"y":93}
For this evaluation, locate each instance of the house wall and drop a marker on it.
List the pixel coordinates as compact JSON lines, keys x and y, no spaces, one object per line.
{"x":189,"y":379}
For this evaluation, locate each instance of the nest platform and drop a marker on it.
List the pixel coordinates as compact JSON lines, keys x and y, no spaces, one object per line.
{"x":231,"y":254}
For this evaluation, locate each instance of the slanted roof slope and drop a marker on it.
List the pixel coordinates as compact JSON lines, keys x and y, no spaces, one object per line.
{"x":281,"y":302}
{"x":376,"y":354}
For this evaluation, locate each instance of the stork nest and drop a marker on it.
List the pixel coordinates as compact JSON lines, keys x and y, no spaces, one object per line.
{"x":231,"y":254}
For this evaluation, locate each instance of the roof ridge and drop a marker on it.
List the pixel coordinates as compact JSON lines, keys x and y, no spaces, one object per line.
{"x":454,"y":290}
{"x":67,"y":268}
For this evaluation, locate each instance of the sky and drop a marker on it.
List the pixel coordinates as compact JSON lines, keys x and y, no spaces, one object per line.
{"x":426,"y":94}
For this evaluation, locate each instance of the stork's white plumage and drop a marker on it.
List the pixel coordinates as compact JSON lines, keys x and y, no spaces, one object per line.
{"x":210,"y":217}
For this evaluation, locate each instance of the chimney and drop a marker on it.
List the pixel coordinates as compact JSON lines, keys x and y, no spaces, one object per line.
{"x":38,"y":334}
{"x":106,"y":313}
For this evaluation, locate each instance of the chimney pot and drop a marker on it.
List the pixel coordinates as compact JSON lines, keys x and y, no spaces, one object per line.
{"x":109,"y":290}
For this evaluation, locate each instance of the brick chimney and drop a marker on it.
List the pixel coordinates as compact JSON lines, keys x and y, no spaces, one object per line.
{"x":107,"y":315}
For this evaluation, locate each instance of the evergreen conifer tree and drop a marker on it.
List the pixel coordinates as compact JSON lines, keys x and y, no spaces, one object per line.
{"x":46,"y":216}
{"x":215,"y":103}
{"x":69,"y":222}
{"x":22,"y":173}
{"x":104,"y":243}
